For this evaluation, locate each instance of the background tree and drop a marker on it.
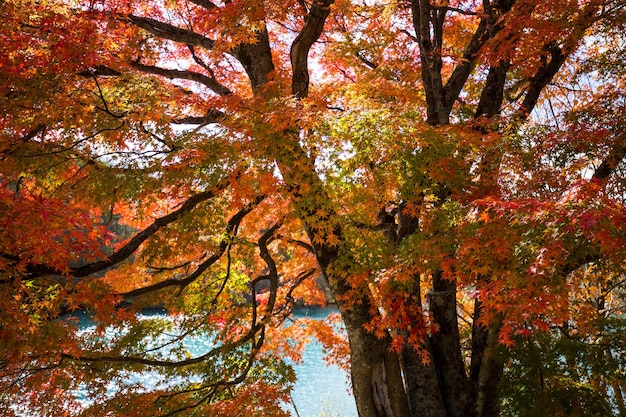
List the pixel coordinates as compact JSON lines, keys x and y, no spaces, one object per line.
{"x":452,"y":169}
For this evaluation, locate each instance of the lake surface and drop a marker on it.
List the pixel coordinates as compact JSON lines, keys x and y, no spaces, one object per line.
{"x":320,"y":391}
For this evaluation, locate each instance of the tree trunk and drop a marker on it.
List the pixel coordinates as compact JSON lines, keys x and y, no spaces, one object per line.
{"x":486,"y":369}
{"x":422,"y":384}
{"x":446,"y":348}
{"x":386,"y":385}
{"x":376,"y":374}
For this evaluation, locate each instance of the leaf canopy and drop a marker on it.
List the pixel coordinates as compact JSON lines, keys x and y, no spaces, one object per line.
{"x":440,"y":167}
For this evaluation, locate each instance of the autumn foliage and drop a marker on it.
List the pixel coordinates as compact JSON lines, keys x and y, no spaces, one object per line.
{"x":449,"y":173}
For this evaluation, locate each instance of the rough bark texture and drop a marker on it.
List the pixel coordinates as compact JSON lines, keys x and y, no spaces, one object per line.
{"x":377,"y":391}
{"x":256,"y":59}
{"x":422,"y":386}
{"x":485,"y":369}
{"x":446,"y":348}
{"x":493,"y":92}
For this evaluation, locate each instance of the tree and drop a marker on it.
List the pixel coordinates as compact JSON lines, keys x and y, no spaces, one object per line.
{"x":451,"y":168}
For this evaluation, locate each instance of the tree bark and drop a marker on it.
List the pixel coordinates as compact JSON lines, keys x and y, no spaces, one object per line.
{"x":485,"y":369}
{"x":446,"y":346}
{"x":422,"y":385}
{"x":376,"y":372}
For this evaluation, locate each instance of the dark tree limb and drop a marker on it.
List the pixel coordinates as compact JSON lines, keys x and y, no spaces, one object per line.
{"x":199,"y":61}
{"x":492,"y":95}
{"x":170,"y":32}
{"x":183,"y":75}
{"x":271,"y":275}
{"x":608,"y":166}
{"x":466,"y":65}
{"x":430,"y":57}
{"x":256,"y":59}
{"x":310,"y":33}
{"x":207,"y":4}
{"x":38,"y":270}
{"x":181,"y":283}
{"x":549,"y":68}
{"x":555,"y":55}
{"x":211,"y":117}
{"x":428,"y":23}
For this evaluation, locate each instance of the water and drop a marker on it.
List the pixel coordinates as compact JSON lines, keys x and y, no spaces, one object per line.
{"x":320,"y":391}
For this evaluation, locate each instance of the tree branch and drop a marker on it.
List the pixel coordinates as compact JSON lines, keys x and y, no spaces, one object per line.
{"x":272,"y":274}
{"x":608,"y":166}
{"x":184,"y":75}
{"x":556,"y":55}
{"x":310,"y":33}
{"x":171,"y":32}
{"x":462,"y":70}
{"x":204,"y":3}
{"x":184,"y":282}
{"x":34,"y":270}
{"x":456,"y":10}
{"x":40,"y":128}
{"x":541,"y":78}
{"x":425,"y":23}
{"x":213,"y":116}
{"x":367,"y":62}
{"x":256,"y":58}
{"x":100,"y":71}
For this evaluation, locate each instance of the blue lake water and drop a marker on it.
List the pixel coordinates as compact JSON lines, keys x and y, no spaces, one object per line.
{"x":320,"y":391}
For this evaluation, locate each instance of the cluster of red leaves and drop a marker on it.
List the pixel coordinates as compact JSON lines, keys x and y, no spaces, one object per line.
{"x":521,"y":252}
{"x":37,"y":229}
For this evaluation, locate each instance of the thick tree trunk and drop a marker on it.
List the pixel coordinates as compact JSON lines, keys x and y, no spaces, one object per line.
{"x":376,"y":374}
{"x":446,"y":348}
{"x":422,"y":385}
{"x":441,"y":388}
{"x":486,"y":369}
{"x":385,"y":386}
